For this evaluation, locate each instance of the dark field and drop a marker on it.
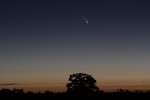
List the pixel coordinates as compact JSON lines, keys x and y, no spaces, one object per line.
{"x":18,"y":94}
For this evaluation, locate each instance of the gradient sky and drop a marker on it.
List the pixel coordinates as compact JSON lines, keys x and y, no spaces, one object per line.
{"x":43,"y":42}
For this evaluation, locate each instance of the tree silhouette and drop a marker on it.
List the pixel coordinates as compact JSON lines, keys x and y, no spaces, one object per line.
{"x":81,"y":83}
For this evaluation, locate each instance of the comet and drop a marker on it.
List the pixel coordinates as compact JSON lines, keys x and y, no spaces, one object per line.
{"x":85,"y":19}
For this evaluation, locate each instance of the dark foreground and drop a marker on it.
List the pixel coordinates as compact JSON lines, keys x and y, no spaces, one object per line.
{"x":6,"y":94}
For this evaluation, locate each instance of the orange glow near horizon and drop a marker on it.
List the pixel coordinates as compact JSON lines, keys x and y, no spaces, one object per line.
{"x":107,"y":86}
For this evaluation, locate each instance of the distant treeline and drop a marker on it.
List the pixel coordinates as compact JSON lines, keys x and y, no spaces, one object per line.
{"x":19,"y":94}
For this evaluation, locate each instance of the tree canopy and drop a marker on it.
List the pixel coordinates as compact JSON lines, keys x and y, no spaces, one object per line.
{"x":81,"y":83}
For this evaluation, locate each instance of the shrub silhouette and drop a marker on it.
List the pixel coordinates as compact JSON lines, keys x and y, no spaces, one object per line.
{"x":82,"y":83}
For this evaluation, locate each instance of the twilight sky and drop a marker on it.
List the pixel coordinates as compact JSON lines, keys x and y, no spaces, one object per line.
{"x":43,"y":42}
